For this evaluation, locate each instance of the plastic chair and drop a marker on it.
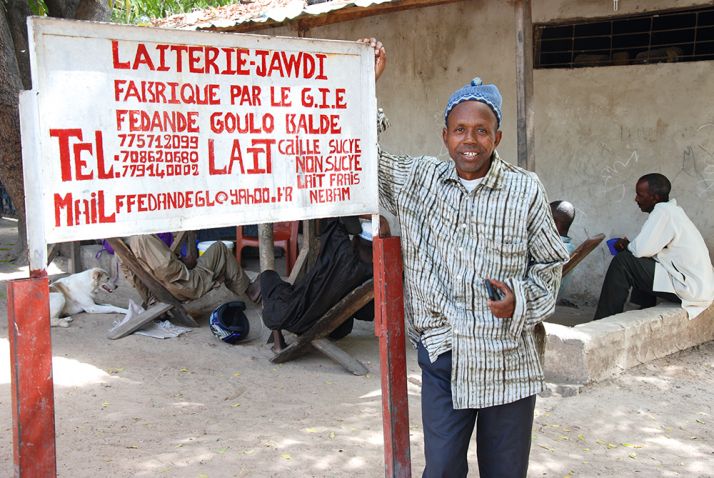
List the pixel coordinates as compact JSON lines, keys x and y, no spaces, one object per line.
{"x":285,"y":237}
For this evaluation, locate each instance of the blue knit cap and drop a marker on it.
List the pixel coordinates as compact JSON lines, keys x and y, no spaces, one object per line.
{"x":477,"y":91}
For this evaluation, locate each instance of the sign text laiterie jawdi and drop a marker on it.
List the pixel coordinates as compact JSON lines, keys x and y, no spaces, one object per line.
{"x":272,"y":122}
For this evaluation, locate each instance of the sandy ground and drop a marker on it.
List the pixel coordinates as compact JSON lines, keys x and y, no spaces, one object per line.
{"x":196,"y":407}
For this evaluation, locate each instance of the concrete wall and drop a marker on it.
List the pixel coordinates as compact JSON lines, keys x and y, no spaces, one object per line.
{"x":431,"y":52}
{"x":597,"y":129}
{"x":611,"y":126}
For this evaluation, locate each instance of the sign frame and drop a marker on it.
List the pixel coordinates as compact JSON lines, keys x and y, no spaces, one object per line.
{"x":40,"y":151}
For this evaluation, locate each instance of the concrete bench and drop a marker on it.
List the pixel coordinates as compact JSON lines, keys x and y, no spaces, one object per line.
{"x":601,"y":349}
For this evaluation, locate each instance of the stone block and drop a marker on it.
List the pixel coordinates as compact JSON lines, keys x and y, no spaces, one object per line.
{"x":601,"y":349}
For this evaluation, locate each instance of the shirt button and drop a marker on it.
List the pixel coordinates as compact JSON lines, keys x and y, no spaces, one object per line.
{"x":461,"y":249}
{"x":464,"y":226}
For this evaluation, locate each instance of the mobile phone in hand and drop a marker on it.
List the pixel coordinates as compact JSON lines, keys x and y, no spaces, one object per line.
{"x":493,"y":293}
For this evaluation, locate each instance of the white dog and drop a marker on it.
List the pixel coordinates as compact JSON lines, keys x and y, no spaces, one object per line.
{"x":75,"y":293}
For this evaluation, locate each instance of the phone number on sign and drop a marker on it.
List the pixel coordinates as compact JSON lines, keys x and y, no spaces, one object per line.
{"x":157,"y":156}
{"x":158,"y":141}
{"x":155,"y":170}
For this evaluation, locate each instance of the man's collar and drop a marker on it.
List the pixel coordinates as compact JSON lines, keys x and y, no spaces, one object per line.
{"x":671,"y":202}
{"x":493,"y":179}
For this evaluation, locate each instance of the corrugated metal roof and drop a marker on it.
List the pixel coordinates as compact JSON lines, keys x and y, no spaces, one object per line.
{"x":256,"y":11}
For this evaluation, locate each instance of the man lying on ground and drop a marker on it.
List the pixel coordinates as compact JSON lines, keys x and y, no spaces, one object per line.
{"x":187,"y":279}
{"x":343,"y":264}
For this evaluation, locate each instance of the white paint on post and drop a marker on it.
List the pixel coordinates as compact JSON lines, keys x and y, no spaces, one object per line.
{"x":147,"y":130}
{"x":36,"y":245}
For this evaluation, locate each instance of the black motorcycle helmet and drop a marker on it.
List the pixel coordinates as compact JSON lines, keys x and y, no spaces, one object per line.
{"x":229,"y":323}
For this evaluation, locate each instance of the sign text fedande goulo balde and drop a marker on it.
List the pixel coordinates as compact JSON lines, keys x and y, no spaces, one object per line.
{"x":143,"y":130}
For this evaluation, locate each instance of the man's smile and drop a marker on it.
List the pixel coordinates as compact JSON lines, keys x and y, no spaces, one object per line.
{"x":470,"y":154}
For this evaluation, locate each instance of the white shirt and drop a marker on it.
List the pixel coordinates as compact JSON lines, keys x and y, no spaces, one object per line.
{"x":683,"y":265}
{"x":470,"y":184}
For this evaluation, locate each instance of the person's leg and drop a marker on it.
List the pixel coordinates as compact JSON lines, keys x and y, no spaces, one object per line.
{"x":668,"y":296}
{"x":278,"y":341}
{"x":447,"y":432}
{"x":503,"y":439}
{"x":626,"y":271}
{"x":153,"y":255}
{"x":643,"y":298}
{"x":223,"y":265}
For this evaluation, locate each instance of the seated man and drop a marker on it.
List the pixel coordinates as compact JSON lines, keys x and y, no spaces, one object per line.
{"x":667,"y":259}
{"x":342,"y":265}
{"x":563,"y":215}
{"x":189,"y":279}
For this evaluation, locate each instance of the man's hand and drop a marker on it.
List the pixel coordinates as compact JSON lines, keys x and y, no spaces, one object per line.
{"x":380,"y":55}
{"x":621,"y":244}
{"x":504,"y":308}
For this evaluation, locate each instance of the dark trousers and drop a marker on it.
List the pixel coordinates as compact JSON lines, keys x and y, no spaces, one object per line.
{"x":629,"y":272}
{"x":503,"y":432}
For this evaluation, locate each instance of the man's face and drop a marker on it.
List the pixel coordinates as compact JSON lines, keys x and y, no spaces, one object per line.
{"x":643,"y":198}
{"x":471,"y":135}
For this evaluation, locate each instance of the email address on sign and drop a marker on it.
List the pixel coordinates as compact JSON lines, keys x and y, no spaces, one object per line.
{"x":144,"y":202}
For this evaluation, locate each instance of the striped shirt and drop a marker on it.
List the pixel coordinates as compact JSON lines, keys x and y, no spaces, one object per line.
{"x":451,"y":241}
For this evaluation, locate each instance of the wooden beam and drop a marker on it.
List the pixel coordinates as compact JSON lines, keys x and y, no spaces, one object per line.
{"x":581,"y":252}
{"x":389,"y":327}
{"x":340,"y":356}
{"x":52,"y":252}
{"x":309,"y":249}
{"x":524,"y":84}
{"x":75,"y":257}
{"x":311,"y":239}
{"x":33,"y":406}
{"x":266,"y":247}
{"x":306,"y":21}
{"x":137,"y":322}
{"x":191,"y":248}
{"x":188,"y":238}
{"x":178,"y":240}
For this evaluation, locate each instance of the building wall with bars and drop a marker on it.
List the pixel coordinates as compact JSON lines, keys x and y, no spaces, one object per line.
{"x":597,"y":129}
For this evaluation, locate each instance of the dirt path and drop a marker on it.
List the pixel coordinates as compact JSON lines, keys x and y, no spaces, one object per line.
{"x":195,"y":407}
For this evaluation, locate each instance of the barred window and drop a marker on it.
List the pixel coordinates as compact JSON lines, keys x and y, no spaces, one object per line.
{"x":670,"y":36}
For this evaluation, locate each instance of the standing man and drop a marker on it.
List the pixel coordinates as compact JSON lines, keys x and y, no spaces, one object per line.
{"x":667,"y":259}
{"x":472,"y":218}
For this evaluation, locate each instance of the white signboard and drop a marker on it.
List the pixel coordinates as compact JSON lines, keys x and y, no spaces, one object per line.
{"x":133,"y":130}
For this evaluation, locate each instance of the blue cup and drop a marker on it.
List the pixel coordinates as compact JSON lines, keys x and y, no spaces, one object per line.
{"x":611,"y":245}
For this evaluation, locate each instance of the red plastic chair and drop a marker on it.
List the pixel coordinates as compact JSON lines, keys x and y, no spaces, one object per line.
{"x":285,"y":237}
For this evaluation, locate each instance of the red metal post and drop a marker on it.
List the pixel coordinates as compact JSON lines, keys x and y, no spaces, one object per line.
{"x":33,"y":406}
{"x":389,"y":327}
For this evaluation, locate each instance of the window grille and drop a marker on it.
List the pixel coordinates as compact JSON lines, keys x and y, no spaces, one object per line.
{"x":671,"y":36}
